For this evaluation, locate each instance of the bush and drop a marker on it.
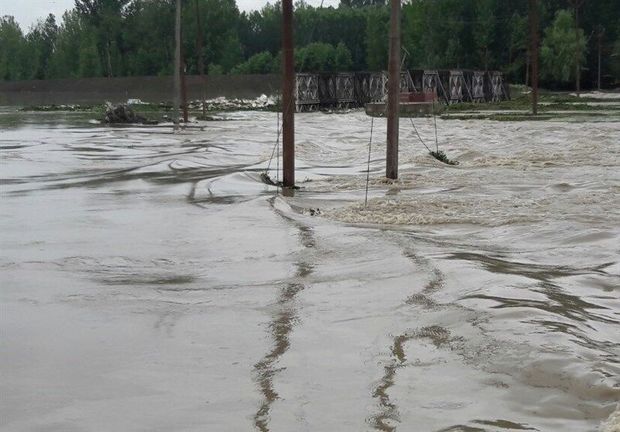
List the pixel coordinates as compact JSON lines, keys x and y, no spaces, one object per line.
{"x":261,"y":63}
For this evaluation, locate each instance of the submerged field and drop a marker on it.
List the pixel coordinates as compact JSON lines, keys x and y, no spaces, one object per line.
{"x":150,"y":281}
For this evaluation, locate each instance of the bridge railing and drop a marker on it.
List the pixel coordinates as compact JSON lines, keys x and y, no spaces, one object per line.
{"x":316,"y":91}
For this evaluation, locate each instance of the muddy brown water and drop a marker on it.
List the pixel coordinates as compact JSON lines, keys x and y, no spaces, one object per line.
{"x":150,"y":281}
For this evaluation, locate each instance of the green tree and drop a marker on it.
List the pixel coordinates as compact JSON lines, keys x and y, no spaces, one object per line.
{"x":220,"y":20}
{"x":377,"y":39}
{"x":517,"y":46}
{"x":615,"y":60}
{"x":558,"y":48}
{"x":12,"y":47}
{"x":484,"y":30}
{"x":64,"y":63}
{"x":315,"y":57}
{"x":261,"y":30}
{"x":342,"y":58}
{"x":41,"y":41}
{"x":105,"y":17}
{"x":89,"y":62}
{"x":261,"y":63}
{"x":231,"y":51}
{"x":146,"y":21}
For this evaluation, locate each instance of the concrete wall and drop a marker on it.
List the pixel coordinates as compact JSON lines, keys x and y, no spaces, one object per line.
{"x":89,"y":91}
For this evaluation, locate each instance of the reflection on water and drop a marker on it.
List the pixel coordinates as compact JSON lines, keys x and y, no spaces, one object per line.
{"x":137,"y":266}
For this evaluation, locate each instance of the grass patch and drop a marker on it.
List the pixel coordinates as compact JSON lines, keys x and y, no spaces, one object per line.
{"x":524,"y":116}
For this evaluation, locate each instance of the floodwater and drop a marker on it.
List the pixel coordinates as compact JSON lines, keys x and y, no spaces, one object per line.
{"x":151,"y":282}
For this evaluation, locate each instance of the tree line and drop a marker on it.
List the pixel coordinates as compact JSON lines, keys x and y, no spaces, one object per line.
{"x":105,"y":38}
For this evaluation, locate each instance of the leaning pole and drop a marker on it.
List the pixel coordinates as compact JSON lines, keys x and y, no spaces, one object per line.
{"x":391,"y":168}
{"x":288,"y":98}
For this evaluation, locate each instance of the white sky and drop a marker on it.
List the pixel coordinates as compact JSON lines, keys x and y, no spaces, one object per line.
{"x":27,"y":12}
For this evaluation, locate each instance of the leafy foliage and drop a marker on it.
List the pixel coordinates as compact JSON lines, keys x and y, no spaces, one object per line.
{"x":558,"y":48}
{"x":136,"y":37}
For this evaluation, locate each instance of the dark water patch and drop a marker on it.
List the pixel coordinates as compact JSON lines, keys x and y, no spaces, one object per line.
{"x":166,"y":177}
{"x":421,"y":300}
{"x":504,"y":424}
{"x":221,"y":200}
{"x":388,"y":417}
{"x":560,"y":304}
{"x":88,"y":149}
{"x":579,"y":337}
{"x":131,"y":280}
{"x":534,"y":271}
{"x":306,"y":236}
{"x":424,"y":298}
{"x":436,"y":283}
{"x":12,"y":147}
{"x":462,"y":428}
{"x":562,"y":187}
{"x":280,"y":328}
{"x":437,"y":335}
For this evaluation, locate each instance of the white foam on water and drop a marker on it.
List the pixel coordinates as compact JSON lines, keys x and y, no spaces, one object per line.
{"x":612,"y":424}
{"x":432,"y":209}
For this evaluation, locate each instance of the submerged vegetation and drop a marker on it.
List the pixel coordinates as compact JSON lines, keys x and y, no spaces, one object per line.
{"x":442,"y":157}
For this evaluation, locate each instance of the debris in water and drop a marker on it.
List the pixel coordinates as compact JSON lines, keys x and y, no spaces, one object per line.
{"x":265,"y":178}
{"x":122,"y":113}
{"x":441,"y":156}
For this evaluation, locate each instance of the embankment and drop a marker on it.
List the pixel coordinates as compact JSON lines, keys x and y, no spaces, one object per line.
{"x":89,"y":91}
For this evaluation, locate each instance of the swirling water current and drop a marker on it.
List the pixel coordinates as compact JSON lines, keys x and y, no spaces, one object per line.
{"x":150,"y":281}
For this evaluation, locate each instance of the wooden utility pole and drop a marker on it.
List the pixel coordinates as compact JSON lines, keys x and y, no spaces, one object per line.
{"x":601,"y":32}
{"x":576,"y":5}
{"x":177,"y":65}
{"x":183,"y":89}
{"x":391,"y":158}
{"x":201,"y":65}
{"x":533,"y":16}
{"x":288,"y":97}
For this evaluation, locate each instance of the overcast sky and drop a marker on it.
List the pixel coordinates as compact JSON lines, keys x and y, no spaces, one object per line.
{"x":27,"y":12}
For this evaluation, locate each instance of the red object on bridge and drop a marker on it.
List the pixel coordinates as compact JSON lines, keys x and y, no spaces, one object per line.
{"x":418,"y":97}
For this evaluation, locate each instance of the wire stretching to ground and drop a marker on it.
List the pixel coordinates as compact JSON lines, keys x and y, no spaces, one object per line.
{"x":372,"y":122}
{"x":276,"y":146}
{"x":419,"y":137}
{"x":278,"y":155}
{"x":435,"y":121}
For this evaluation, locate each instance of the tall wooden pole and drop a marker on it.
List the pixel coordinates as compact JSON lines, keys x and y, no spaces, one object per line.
{"x":288,"y":98}
{"x":177,"y":65}
{"x":601,"y":31}
{"x":577,"y":51}
{"x":533,"y":16}
{"x":576,"y":5}
{"x":201,"y":65}
{"x":183,"y":89}
{"x":391,"y":168}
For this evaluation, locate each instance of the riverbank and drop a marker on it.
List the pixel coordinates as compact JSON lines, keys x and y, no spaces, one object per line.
{"x":552,"y":106}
